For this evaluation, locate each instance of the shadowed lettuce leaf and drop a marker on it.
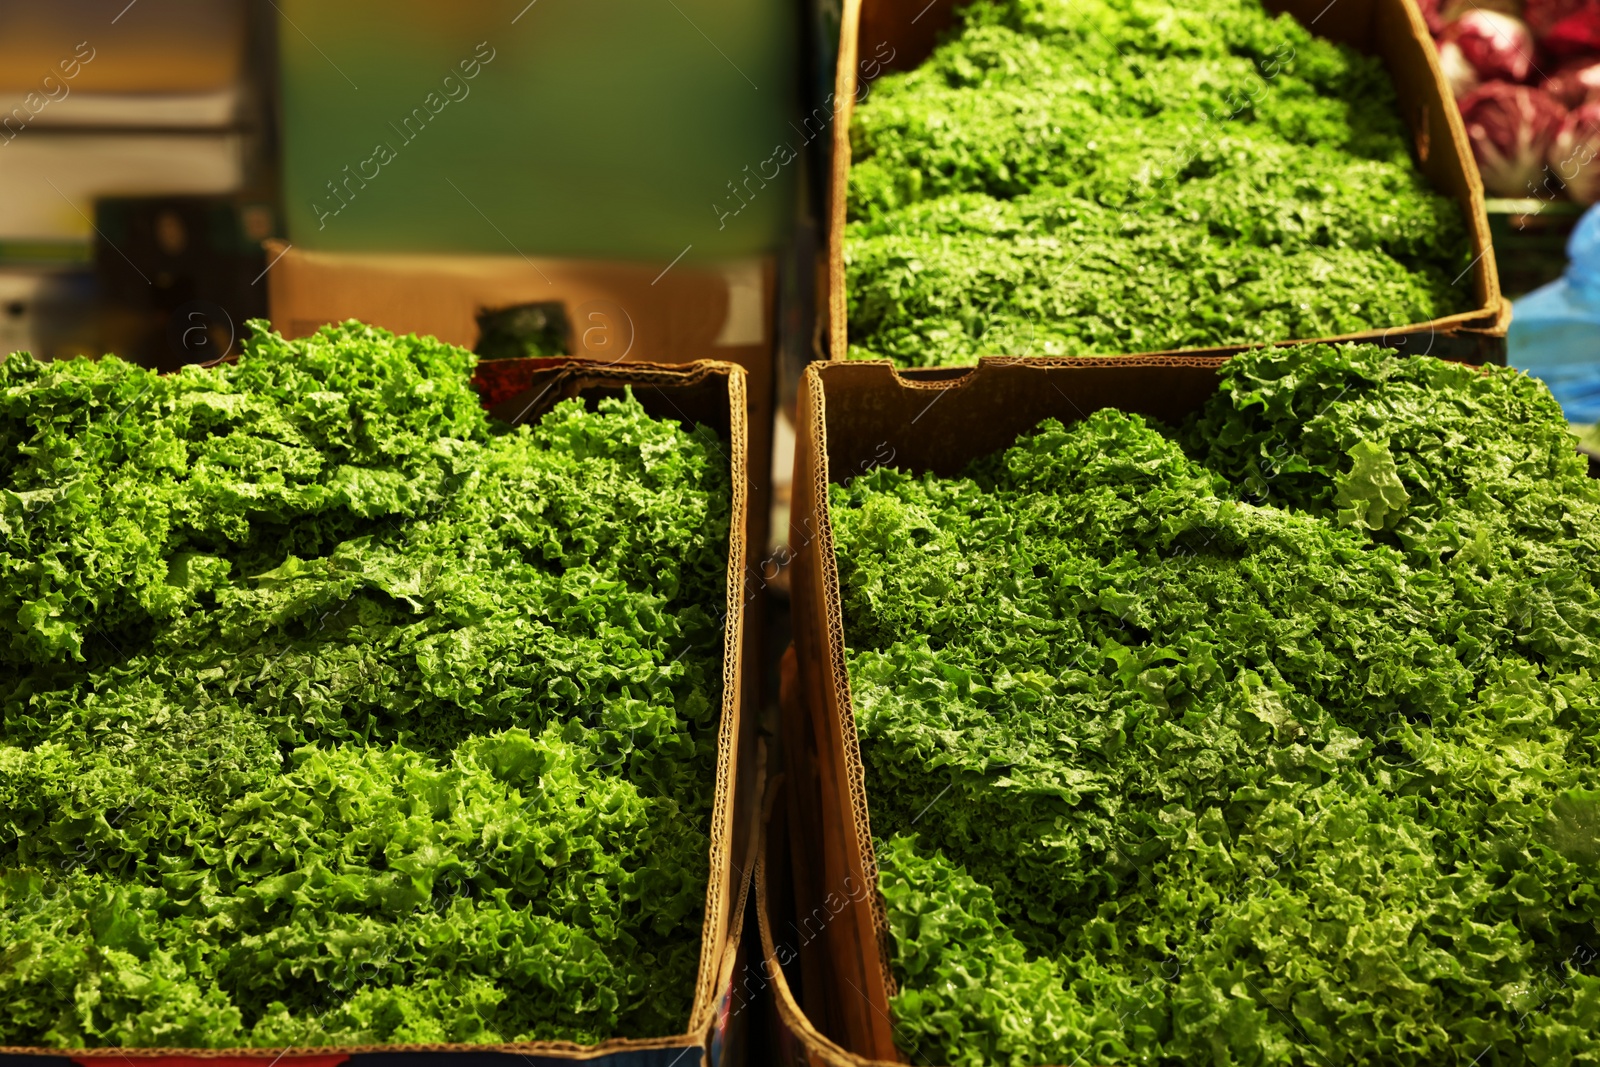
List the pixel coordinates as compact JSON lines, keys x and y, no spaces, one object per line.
{"x":1279,"y":751}
{"x":333,"y":714}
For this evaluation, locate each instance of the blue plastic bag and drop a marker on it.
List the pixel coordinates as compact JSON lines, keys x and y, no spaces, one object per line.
{"x":1555,"y":330}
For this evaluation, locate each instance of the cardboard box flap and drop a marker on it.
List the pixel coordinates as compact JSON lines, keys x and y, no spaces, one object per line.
{"x":941,"y":421}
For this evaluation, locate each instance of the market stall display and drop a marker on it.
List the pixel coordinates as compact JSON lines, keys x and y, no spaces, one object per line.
{"x":1061,"y":179}
{"x":339,"y":714}
{"x":1228,"y":711}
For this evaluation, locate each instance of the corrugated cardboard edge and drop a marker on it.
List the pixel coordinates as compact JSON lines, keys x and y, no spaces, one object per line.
{"x":728,"y":916}
{"x":825,"y":689}
{"x":817,"y":1045}
{"x":844,"y":106}
{"x":721,"y":928}
{"x":1489,"y":320}
{"x":841,"y":701}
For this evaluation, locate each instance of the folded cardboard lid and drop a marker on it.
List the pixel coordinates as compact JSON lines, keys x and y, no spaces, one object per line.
{"x":941,"y":419}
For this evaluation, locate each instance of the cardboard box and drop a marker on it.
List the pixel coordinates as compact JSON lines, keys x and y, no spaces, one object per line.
{"x":822,"y":919}
{"x":706,"y":391}
{"x":1392,"y":29}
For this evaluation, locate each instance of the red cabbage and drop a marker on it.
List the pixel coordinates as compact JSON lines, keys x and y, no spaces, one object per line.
{"x":1565,"y":27}
{"x":1511,"y":128}
{"x":1450,"y":10}
{"x":1576,"y":82}
{"x":1573,"y":153}
{"x":1497,"y":45}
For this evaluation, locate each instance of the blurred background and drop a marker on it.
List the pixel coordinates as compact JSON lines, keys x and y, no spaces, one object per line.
{"x":516,"y":175}
{"x":137,"y":169}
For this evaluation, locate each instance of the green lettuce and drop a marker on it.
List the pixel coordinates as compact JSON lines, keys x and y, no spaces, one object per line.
{"x":1069,"y":177}
{"x":334,"y":714}
{"x":1267,"y":738}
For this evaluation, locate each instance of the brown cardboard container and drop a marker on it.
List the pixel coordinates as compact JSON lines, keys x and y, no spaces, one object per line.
{"x":705,"y":391}
{"x":617,"y":311}
{"x":855,"y":415}
{"x":1393,"y":29}
{"x":822,"y":921}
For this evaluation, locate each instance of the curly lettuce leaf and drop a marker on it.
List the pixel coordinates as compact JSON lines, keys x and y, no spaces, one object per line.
{"x":1103,"y":176}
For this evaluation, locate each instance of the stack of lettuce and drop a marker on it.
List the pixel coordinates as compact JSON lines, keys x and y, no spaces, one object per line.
{"x":334,"y":714}
{"x":1268,"y":739}
{"x":1078,"y":177}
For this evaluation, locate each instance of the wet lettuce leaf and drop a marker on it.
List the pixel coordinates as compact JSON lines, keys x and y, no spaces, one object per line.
{"x":1071,"y":177}
{"x":1268,"y":738}
{"x":334,"y":714}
